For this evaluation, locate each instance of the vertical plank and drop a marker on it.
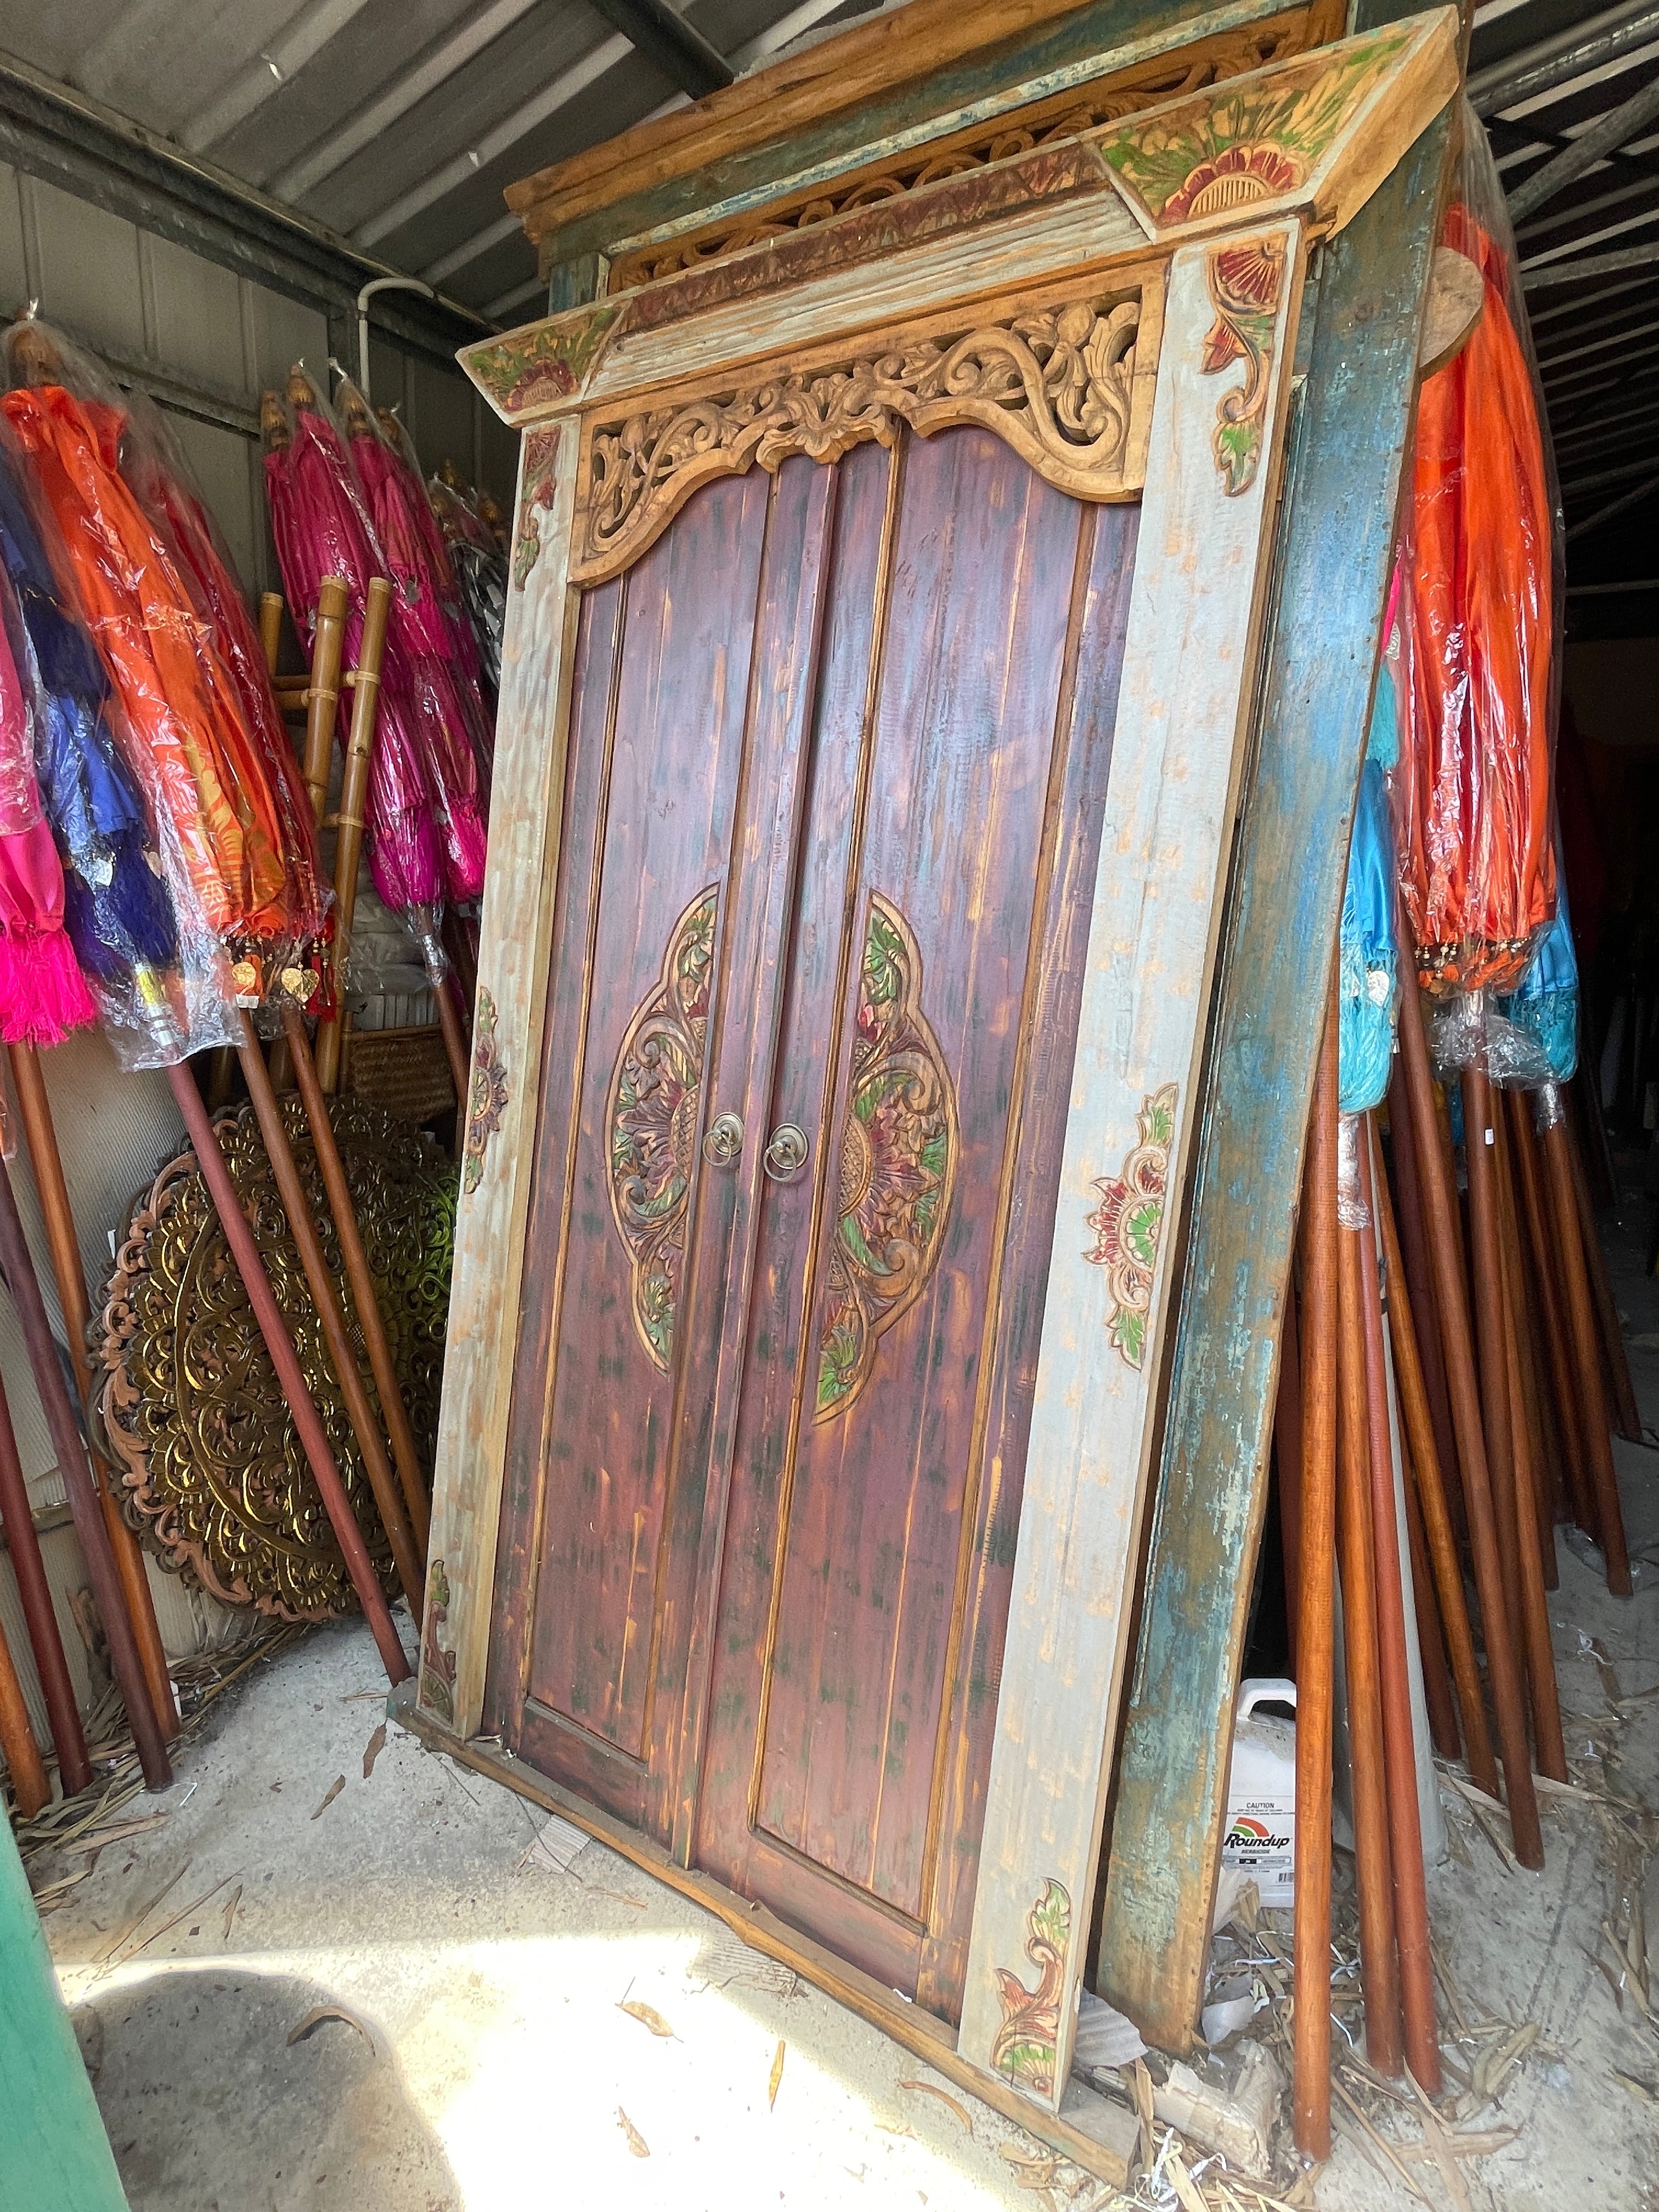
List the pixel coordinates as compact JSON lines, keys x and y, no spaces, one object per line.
{"x":1338,"y":541}
{"x":1182,"y":713}
{"x":490,"y":1229}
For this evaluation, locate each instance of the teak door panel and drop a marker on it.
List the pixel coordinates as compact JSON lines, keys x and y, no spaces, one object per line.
{"x":838,"y":747}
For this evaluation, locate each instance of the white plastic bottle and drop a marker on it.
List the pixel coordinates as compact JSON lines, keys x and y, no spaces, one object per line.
{"x":1260,"y":1836}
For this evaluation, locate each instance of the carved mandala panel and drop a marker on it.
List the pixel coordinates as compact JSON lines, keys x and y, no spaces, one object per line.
{"x":212,"y":1467}
{"x":655,"y":1102}
{"x":898,"y":1160}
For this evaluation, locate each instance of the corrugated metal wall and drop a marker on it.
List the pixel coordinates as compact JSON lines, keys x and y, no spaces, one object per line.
{"x":217,"y":339}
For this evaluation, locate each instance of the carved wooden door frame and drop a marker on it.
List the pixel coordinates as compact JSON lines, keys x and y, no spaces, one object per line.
{"x":1121,"y":307}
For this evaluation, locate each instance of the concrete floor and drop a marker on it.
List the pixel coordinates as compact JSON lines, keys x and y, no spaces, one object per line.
{"x":485,"y":2061}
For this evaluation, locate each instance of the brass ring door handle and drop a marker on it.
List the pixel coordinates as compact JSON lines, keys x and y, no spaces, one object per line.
{"x":786,"y":1152}
{"x":723,"y":1141}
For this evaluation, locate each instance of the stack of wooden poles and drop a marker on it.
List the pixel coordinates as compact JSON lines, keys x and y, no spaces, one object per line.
{"x":1505,"y":1377}
{"x":113,"y":1556}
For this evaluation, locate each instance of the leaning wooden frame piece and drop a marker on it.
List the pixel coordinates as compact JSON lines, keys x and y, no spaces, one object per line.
{"x":889,"y":569}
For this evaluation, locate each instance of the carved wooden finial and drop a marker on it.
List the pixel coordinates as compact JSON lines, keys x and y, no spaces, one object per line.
{"x":301,"y":392}
{"x":34,"y":359}
{"x":274,"y":431}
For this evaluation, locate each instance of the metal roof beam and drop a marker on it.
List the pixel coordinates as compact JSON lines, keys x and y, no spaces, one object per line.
{"x":1555,"y":61}
{"x":507,"y":134}
{"x":396,"y":99}
{"x":1643,"y":490}
{"x":679,"y":48}
{"x":1607,"y":131}
{"x":300,"y":39}
{"x":1593,"y":264}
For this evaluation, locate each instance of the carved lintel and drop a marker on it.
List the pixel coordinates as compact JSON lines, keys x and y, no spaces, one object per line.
{"x":1058,"y":379}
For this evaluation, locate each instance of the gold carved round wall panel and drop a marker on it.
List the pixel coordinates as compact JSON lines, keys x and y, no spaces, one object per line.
{"x":212,"y":1468}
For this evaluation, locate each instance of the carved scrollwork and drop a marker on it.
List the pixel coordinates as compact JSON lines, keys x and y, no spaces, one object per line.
{"x":211,"y":1468}
{"x":1057,"y":383}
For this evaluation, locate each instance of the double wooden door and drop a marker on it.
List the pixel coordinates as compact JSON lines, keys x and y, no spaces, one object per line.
{"x":838,"y":752}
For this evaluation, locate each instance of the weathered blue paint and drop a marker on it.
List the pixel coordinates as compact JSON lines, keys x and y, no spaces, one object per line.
{"x":1321,"y":657}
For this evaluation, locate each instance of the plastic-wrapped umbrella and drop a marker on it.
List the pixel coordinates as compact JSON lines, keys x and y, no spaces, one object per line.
{"x":1368,"y":991}
{"x":1472,"y":793}
{"x":42,"y":993}
{"x":1545,"y":1002}
{"x":321,"y":530}
{"x":421,"y":647}
{"x":156,"y":467}
{"x":441,"y":570}
{"x":120,"y":916}
{"x":480,"y":566}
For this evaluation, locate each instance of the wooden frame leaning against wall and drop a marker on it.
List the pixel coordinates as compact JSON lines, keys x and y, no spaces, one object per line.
{"x":1119,"y":304}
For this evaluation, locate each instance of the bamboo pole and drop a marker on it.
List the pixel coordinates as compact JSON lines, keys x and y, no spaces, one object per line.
{"x":74,"y":1466}
{"x":1557,"y":1167}
{"x":270,"y":627}
{"x":40,"y":1137}
{"x":63,"y":1714}
{"x":290,"y":1374}
{"x":1411,"y":1899}
{"x":29,"y":1785}
{"x":1288,"y":1457}
{"x":1417,"y":1273}
{"x":1430,"y":1496}
{"x":1508,"y":1696}
{"x":1379,"y":1964}
{"x":1315,"y":1629}
{"x":1621,"y":1395}
{"x":360,"y":1409}
{"x":1570,"y":1413}
{"x":323,"y":693}
{"x":349,"y":823}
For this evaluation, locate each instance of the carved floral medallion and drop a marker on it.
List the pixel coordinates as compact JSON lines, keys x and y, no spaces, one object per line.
{"x":1027,"y":2042}
{"x":210,"y":1465}
{"x":896,"y":1164}
{"x":1128,"y":1222}
{"x":487,"y":1092}
{"x":653,"y":1118}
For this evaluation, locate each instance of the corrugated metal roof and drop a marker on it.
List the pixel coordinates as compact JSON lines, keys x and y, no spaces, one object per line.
{"x":397,"y":122}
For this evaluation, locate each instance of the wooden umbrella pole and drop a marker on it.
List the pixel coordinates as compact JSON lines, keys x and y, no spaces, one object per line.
{"x":1436,"y":1520}
{"x":1315,"y":1625}
{"x":349,"y":823}
{"x":1621,"y":1393}
{"x":1548,"y":1749}
{"x":1533,"y":1496}
{"x":1508,"y":1695}
{"x":1411,"y":1897}
{"x":449,"y":1021}
{"x":63,"y":1714}
{"x":360,"y":1408}
{"x":1540,"y":1242}
{"x":1491,"y":1338}
{"x":40,"y":1137}
{"x":363,"y":1297}
{"x":29,"y":1785}
{"x":1287,"y":1458}
{"x":75,"y":1467}
{"x":1438,"y":1691}
{"x":290,"y":1376}
{"x":1419,"y":1279}
{"x":1558,"y":1175}
{"x":1379,"y":1964}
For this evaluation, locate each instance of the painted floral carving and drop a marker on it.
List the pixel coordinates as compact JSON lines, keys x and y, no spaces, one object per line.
{"x":437,"y":1663}
{"x":534,"y":368}
{"x":1058,"y":384}
{"x":896,"y":1164}
{"x":1263,"y":140}
{"x":1027,"y":2044}
{"x":1128,"y":1222}
{"x":1246,"y":280}
{"x":487,"y":1094}
{"x":541,"y":454}
{"x":654,"y":1111}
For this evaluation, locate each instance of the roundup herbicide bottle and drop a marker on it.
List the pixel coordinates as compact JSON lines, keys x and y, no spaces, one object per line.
{"x":1259,"y":1837}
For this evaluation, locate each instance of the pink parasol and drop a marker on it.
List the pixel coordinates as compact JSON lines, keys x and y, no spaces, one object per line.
{"x":321,"y":529}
